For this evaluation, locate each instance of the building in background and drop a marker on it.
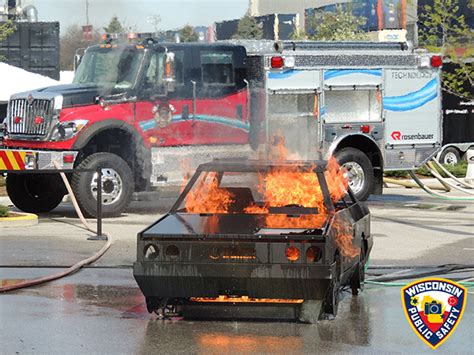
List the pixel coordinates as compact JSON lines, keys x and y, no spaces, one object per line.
{"x":388,"y":20}
{"x":18,"y":10}
{"x":274,"y":26}
{"x":268,"y":7}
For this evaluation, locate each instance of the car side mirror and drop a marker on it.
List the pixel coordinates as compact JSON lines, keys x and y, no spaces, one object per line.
{"x":169,"y":75}
{"x":78,"y":57}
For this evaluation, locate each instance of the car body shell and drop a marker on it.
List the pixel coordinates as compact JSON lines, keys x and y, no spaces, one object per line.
{"x":240,"y":256}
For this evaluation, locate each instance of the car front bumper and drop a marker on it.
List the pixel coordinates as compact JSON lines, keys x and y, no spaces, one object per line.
{"x":275,"y":281}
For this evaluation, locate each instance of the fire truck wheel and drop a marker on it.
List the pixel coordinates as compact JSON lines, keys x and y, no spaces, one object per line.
{"x":35,"y":193}
{"x":360,"y":170}
{"x":117,"y":185}
{"x":450,"y":156}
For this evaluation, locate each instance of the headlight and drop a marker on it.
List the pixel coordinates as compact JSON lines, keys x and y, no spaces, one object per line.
{"x":67,"y":130}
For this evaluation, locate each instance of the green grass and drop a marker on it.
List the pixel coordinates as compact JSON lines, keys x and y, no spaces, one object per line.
{"x":458,"y":170}
{"x":3,"y":211}
{"x":396,"y":174}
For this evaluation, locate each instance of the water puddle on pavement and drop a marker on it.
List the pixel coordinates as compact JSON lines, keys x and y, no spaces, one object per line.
{"x":128,"y":300}
{"x":435,"y":207}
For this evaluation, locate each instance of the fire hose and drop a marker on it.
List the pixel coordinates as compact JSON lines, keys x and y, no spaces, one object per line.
{"x":75,"y":267}
{"x":390,"y":280}
{"x":459,"y":181}
{"x":429,"y":189}
{"x":411,"y":184}
{"x":437,"y":175}
{"x":432,"y":193}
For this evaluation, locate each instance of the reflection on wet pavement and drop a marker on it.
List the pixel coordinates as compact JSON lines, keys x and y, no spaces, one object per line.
{"x":102,"y":311}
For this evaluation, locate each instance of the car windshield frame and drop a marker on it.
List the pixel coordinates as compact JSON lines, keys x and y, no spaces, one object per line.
{"x":258,"y":167}
{"x":119,"y":73}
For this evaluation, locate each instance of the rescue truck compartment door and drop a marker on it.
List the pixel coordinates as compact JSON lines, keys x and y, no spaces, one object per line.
{"x":412,"y":112}
{"x":293,"y":109}
{"x":352,"y":96}
{"x":412,"y":108}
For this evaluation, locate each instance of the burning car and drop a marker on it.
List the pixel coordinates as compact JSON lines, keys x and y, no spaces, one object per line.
{"x":248,"y":238}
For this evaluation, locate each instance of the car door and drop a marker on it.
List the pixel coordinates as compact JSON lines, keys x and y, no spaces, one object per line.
{"x":164,"y":118}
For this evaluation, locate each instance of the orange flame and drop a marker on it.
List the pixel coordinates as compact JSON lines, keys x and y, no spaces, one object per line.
{"x":208,"y":198}
{"x":244,"y":299}
{"x":344,"y":237}
{"x":296,"y":186}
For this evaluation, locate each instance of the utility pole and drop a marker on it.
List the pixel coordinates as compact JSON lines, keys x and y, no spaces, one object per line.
{"x":87,"y":12}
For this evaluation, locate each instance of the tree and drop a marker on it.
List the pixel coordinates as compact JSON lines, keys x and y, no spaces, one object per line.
{"x":187,"y":34}
{"x":6,"y":29}
{"x":340,"y":25}
{"x":70,"y":41}
{"x":114,"y":26}
{"x":444,"y":30}
{"x":154,"y":20}
{"x":248,"y":28}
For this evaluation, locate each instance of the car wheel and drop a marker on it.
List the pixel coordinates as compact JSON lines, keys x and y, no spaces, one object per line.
{"x":35,"y":193}
{"x":360,"y":171}
{"x":117,"y":184}
{"x":358,"y":277}
{"x":450,"y":156}
{"x":331,"y":301}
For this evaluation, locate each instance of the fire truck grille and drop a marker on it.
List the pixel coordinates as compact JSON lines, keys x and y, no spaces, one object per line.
{"x":27,"y":119}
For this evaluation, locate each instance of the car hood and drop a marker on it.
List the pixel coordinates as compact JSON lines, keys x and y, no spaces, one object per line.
{"x":231,"y":224}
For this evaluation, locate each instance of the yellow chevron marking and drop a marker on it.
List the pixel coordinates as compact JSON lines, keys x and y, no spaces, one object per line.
{"x":12,"y":160}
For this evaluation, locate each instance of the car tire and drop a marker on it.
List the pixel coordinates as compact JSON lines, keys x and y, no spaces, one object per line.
{"x":450,"y":156}
{"x":360,"y":170}
{"x":35,"y":193}
{"x":331,"y":301}
{"x":358,"y":277}
{"x":117,"y":184}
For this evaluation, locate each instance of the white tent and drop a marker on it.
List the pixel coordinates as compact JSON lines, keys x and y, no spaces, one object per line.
{"x":14,"y":80}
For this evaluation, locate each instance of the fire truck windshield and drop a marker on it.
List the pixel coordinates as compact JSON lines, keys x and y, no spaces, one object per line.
{"x":111,"y":68}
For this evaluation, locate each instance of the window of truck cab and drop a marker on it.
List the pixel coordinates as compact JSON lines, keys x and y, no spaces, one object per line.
{"x":115,"y":68}
{"x":156,"y":67}
{"x":217,"y":68}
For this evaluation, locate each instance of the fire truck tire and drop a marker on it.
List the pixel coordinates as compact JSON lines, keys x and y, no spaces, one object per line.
{"x":117,"y":184}
{"x":361,"y":173}
{"x":450,"y":156}
{"x":35,"y":193}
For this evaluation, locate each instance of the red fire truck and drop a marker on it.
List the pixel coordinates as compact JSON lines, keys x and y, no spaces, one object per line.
{"x":147,"y":112}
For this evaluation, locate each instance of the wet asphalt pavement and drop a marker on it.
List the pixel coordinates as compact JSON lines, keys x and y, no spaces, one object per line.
{"x":101,"y":310}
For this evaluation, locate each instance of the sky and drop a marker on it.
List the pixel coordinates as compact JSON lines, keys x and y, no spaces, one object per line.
{"x":135,"y":13}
